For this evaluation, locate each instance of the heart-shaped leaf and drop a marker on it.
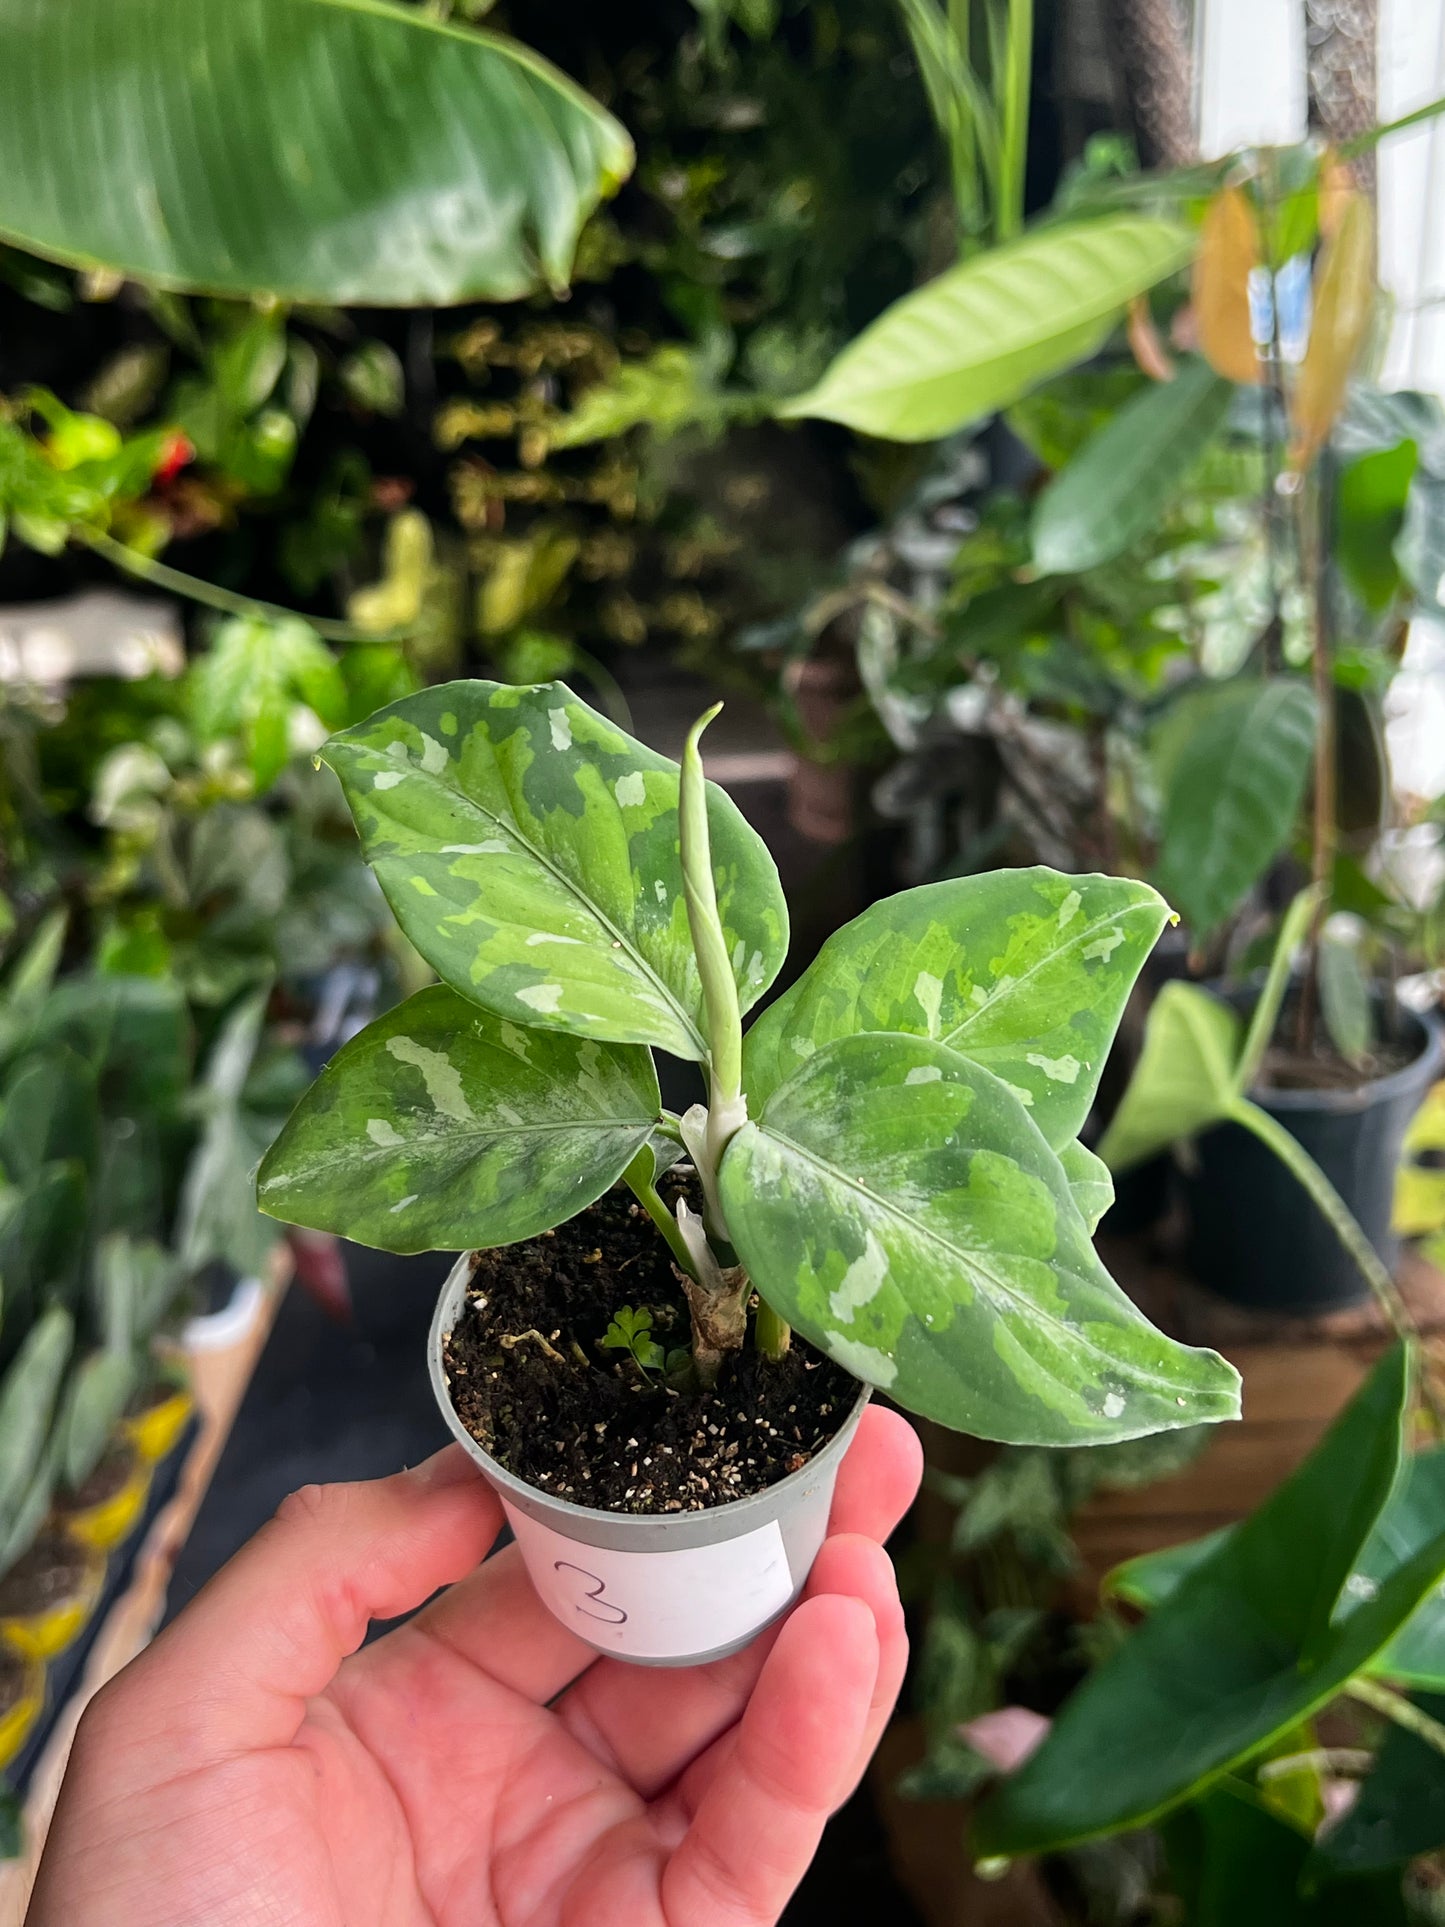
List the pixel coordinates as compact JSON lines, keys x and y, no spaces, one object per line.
{"x":341,"y":151}
{"x":898,"y":1205}
{"x":985,"y":332}
{"x":443,"y":1127}
{"x":530,"y":851}
{"x":1184,"y":1080}
{"x":1235,"y":759}
{"x":1123,"y":480}
{"x":1024,"y":971}
{"x":1415,"y":1657}
{"x":95,"y":1397}
{"x":1249,"y":1644}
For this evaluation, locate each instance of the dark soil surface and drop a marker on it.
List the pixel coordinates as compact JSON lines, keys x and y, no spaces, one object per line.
{"x":14,"y":1677}
{"x":50,"y":1574}
{"x":1322,"y":1067}
{"x":105,"y":1481}
{"x":534,"y":1385}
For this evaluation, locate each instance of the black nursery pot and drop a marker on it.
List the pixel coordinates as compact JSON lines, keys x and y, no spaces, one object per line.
{"x":1257,"y":1237}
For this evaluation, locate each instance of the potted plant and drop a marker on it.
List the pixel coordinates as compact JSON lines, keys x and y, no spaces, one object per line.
{"x":1275,"y":760}
{"x":1277,"y":1715}
{"x":888,"y":1160}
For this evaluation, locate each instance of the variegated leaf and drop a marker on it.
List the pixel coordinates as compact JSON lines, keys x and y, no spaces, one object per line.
{"x":443,"y":1127}
{"x":1090,"y":1182}
{"x":898,"y":1205}
{"x":1024,"y":971}
{"x":530,"y":851}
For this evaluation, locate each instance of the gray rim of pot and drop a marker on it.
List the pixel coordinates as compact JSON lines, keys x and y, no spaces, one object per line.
{"x":726,"y":1521}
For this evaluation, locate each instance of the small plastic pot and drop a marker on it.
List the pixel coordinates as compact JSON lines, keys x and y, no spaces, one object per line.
{"x":45,"y":1633}
{"x":154,"y":1429}
{"x":659,"y":1589}
{"x":1256,"y":1236}
{"x":105,"y":1522}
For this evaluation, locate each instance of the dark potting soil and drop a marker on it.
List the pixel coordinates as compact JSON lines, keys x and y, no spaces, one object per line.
{"x":1322,"y":1067}
{"x":50,"y":1574}
{"x":104,"y":1482}
{"x":533,"y":1384}
{"x":14,"y":1678}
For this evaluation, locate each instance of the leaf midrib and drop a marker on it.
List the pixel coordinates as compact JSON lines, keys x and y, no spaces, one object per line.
{"x":620,"y":937}
{"x":1036,"y":1312}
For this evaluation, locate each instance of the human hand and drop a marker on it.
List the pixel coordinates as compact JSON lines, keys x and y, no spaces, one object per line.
{"x":479,"y":1766}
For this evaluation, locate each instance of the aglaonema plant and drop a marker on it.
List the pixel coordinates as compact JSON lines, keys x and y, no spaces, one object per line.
{"x":888,"y":1159}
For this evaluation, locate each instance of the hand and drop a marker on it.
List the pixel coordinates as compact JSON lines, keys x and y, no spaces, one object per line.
{"x":479,"y":1766}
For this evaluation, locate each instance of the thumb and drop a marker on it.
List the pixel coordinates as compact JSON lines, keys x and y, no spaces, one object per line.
{"x":236,"y":1668}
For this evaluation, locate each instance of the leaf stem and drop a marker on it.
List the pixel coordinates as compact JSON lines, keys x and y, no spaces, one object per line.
{"x":719,"y":989}
{"x":772,"y":1335}
{"x":161,"y":576}
{"x":1403,"y":1712}
{"x":1296,"y":1159}
{"x":638,"y":1179}
{"x":1014,"y":135}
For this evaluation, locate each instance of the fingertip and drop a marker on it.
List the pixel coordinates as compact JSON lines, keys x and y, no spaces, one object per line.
{"x":834,"y":1635}
{"x":900,"y":1446}
{"x":853,"y":1565}
{"x":450,"y":1467}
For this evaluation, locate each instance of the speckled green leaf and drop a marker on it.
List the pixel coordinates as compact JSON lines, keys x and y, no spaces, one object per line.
{"x":1251,"y":1642}
{"x":1090,"y":1182}
{"x":442,"y":1127}
{"x":529,"y":849}
{"x":1024,"y":971}
{"x":897,"y":1204}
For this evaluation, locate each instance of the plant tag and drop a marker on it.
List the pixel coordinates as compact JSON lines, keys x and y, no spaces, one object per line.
{"x":658,"y":1605}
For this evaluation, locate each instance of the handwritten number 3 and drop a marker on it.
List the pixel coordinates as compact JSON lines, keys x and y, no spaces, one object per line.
{"x":601,"y":1608}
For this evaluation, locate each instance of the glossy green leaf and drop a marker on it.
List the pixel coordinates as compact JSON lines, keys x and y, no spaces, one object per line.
{"x":443,"y":1127}
{"x":1420,"y":547}
{"x":530,"y":851}
{"x":216,"y":1216}
{"x":1415,"y":1657}
{"x":1090,"y":1182}
{"x":1024,"y":971}
{"x":95,"y":1397}
{"x":986,"y":331}
{"x":1124,"y":478}
{"x":1239,"y":758}
{"x":135,"y":1283}
{"x":42,"y":1242}
{"x":1184,"y":1080}
{"x":27,"y":1400}
{"x":1400,"y":1809}
{"x":48,"y":1110}
{"x":343,"y":151}
{"x":1248,"y":1644}
{"x":1234,"y":1863}
{"x":897,"y":1204}
{"x":1369,"y":513}
{"x":1345,"y":1002}
{"x":253,"y":676}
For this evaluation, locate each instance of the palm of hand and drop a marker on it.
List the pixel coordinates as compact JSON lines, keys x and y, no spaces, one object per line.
{"x":235,"y":1775}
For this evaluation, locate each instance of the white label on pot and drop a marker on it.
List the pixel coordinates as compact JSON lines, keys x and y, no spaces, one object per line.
{"x":658,"y":1605}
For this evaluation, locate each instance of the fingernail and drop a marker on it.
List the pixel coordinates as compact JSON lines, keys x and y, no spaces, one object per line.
{"x":450,"y":1466}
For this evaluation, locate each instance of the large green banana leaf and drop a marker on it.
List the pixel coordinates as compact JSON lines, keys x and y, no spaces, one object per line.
{"x":344,"y":151}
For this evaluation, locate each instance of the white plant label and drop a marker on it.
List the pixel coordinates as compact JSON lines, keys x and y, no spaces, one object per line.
{"x":658,"y":1605}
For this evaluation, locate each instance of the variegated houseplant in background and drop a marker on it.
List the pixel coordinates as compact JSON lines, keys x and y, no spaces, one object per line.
{"x":889,"y":1158}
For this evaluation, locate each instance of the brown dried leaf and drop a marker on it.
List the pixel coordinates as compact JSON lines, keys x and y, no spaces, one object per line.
{"x":1344,"y":299}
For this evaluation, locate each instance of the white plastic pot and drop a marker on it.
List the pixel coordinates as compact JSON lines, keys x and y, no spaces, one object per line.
{"x":660,"y":1589}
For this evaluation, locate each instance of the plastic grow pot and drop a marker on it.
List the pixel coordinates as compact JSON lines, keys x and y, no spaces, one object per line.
{"x":17,"y":1720}
{"x":658,"y":1589}
{"x":45,"y":1634}
{"x":1256,"y":1237}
